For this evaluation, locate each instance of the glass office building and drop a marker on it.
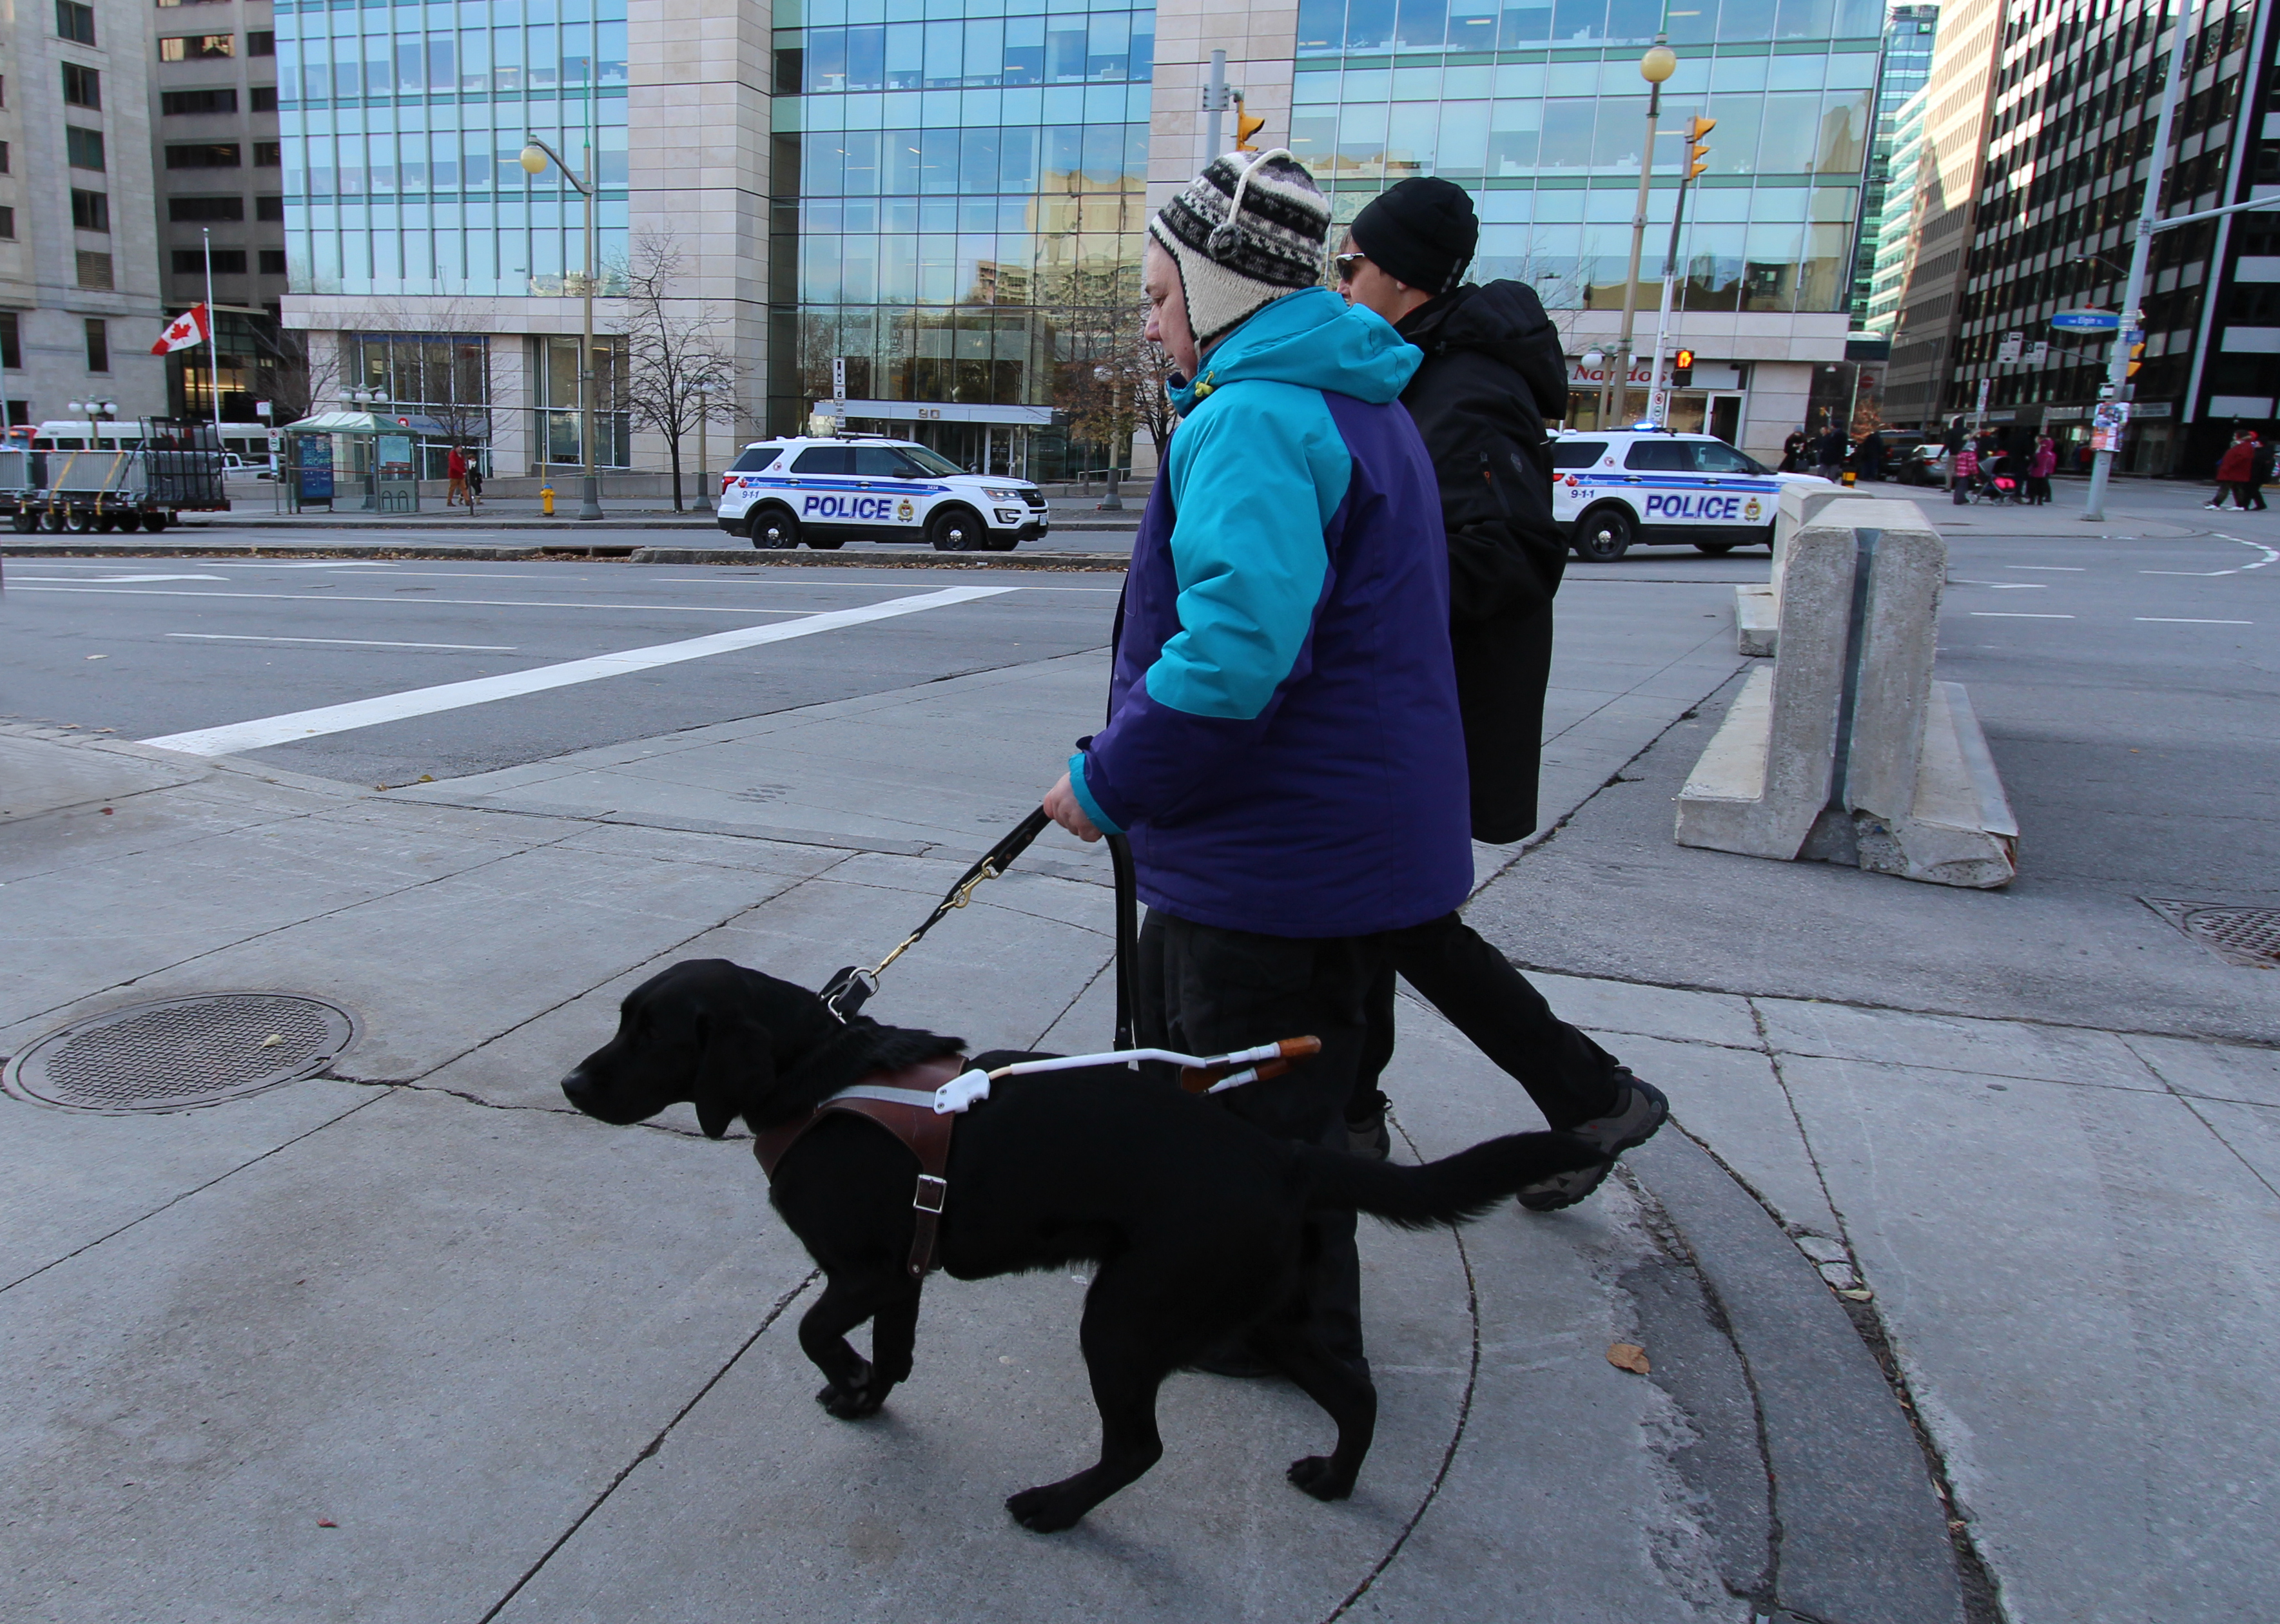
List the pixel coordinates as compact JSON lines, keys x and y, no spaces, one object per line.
{"x":402,"y":130}
{"x":1540,"y":109}
{"x":1908,"y":38}
{"x":959,"y":198}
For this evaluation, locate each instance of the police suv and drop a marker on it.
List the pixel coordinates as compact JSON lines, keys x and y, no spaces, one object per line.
{"x":1648,"y":486}
{"x":866,"y":487}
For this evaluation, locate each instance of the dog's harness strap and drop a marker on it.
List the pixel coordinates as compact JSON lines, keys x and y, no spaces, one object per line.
{"x":909,"y":1114}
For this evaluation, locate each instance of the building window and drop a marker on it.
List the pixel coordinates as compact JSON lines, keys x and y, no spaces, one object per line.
{"x":269,"y":208}
{"x":90,"y":211}
{"x":98,"y":346}
{"x":82,"y":87}
{"x":261,"y":42}
{"x":7,"y":225}
{"x":273,"y":262}
{"x":94,"y":271}
{"x":83,"y":148}
{"x":12,"y":341}
{"x":559,"y":419}
{"x":264,"y":98}
{"x":204,"y":154}
{"x":197,"y":47}
{"x":175,"y":103}
{"x":4,"y":158}
{"x":268,"y":154}
{"x":226,"y":262}
{"x":194,"y":209}
{"x":76,"y":22}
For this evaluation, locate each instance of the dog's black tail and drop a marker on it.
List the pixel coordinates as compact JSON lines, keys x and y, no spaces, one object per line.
{"x":1449,"y":1191}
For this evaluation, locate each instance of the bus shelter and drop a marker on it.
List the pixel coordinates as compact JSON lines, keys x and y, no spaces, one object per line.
{"x":361,"y":461}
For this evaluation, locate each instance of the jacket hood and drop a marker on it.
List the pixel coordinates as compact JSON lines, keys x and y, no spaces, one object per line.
{"x":1504,"y":321}
{"x":1312,"y":338}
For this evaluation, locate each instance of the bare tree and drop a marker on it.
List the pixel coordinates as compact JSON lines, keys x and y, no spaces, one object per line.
{"x":295,"y":375}
{"x":676,"y":370}
{"x":1108,"y":381}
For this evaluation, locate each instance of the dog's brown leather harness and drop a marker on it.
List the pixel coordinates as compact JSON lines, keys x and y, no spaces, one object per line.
{"x":924,"y":1131}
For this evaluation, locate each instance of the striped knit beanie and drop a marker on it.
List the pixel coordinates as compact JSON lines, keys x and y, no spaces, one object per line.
{"x":1244,"y":235}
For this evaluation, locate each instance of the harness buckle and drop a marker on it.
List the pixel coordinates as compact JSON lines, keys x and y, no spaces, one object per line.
{"x":939,"y":1193}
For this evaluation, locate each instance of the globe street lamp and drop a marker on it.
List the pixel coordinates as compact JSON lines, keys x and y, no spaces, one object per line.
{"x":535,"y":157}
{"x":1657,"y":65}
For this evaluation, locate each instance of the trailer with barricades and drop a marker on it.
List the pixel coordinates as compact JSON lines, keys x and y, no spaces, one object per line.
{"x":106,"y":482}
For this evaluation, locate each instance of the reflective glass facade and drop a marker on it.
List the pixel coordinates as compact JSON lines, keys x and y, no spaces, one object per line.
{"x":1541,"y":112}
{"x":970,"y":196}
{"x":403,"y":127}
{"x":1907,"y":65}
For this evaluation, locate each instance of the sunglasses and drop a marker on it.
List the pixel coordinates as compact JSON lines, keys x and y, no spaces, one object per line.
{"x":1345,"y":263}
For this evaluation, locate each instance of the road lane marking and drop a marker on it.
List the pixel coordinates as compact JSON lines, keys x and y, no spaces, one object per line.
{"x":2070,"y":569}
{"x":264,"y":731}
{"x":109,"y":580}
{"x":425,"y":603}
{"x":1999,"y":614}
{"x":361,"y":643}
{"x":2002,"y":585}
{"x":2164,"y":620}
{"x":2271,"y":555}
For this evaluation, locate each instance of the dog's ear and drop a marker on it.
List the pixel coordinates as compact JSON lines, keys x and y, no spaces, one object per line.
{"x":734,"y":1072}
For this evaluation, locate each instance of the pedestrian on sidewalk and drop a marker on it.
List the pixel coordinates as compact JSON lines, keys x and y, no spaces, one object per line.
{"x":2234,"y":470}
{"x":455,"y":468}
{"x":1493,"y":372}
{"x":1871,"y":453}
{"x":1795,"y":449}
{"x":2039,"y":469}
{"x":1829,"y":453}
{"x":2259,"y":473}
{"x":1284,"y":745}
{"x":475,"y":480}
{"x":1963,"y":473}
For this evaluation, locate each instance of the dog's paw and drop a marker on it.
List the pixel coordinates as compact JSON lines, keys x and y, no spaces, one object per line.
{"x":1318,"y":1476}
{"x":853,"y":1404}
{"x":1044,"y":1510}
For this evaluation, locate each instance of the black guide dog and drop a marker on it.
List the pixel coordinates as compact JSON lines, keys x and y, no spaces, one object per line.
{"x":1193,"y":1217}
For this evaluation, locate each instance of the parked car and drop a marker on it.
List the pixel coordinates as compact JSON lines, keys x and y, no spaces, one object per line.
{"x":1625,"y":488}
{"x":828,"y":491}
{"x":1926,"y":464}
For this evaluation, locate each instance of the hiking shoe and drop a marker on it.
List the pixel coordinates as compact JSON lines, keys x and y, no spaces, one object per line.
{"x":1368,"y":1135}
{"x":1639,"y":1111}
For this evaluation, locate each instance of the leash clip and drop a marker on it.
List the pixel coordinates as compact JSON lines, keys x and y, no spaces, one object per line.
{"x":961,"y":1092}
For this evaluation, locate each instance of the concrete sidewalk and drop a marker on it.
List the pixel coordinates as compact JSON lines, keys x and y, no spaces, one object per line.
{"x":411,"y":1341}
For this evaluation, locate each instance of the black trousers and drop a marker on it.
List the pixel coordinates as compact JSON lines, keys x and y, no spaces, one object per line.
{"x":1204,"y":990}
{"x":1567,"y":1075}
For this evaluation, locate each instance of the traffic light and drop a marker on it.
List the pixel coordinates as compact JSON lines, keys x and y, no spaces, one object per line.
{"x":1246,"y":126}
{"x":1682,"y":369}
{"x":1697,"y":145}
{"x":2136,"y":358}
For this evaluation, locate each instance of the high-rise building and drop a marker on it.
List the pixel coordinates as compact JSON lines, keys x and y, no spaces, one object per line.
{"x":1909,"y":32}
{"x":79,"y":285}
{"x":2076,"y":89}
{"x":218,"y":164}
{"x":1896,"y":223}
{"x":1948,"y":167}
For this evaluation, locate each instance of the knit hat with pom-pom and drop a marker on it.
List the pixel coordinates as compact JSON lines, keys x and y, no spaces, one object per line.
{"x":1246,"y":231}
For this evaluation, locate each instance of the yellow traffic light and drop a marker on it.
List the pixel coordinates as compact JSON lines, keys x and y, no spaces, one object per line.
{"x":1697,"y":145}
{"x":1246,"y":126}
{"x":2136,"y":358}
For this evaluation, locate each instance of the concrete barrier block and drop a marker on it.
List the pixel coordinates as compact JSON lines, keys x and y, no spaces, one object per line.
{"x":1757,"y":621}
{"x":1959,"y":829}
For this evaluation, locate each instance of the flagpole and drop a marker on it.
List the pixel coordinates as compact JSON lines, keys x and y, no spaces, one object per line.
{"x":213,"y":343}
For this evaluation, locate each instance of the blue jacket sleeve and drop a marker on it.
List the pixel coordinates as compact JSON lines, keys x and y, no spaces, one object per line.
{"x":1255,"y":480}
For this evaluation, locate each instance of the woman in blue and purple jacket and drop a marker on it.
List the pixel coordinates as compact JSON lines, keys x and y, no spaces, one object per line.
{"x":1283,"y":746}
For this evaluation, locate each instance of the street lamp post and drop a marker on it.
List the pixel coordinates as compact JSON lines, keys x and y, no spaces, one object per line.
{"x":1657,"y":65}
{"x":535,"y":159}
{"x":704,"y":392}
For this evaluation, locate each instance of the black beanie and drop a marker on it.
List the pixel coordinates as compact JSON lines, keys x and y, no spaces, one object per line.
{"x":1422,"y":231}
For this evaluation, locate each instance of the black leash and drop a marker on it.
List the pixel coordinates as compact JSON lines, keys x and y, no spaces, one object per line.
{"x":850,"y":988}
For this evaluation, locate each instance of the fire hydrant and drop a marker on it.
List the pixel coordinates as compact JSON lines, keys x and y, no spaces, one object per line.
{"x":546,"y":500}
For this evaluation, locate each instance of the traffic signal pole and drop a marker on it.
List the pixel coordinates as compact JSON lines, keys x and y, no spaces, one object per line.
{"x":1698,"y":159}
{"x":2157,"y":168}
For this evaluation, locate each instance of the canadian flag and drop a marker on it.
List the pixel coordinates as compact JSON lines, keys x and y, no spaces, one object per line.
{"x":190,"y":327}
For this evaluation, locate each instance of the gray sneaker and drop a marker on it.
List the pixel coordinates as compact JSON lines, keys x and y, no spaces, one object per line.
{"x":1640,"y":1109}
{"x":1368,"y":1135}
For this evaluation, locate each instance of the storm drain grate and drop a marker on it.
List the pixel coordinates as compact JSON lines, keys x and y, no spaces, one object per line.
{"x":2249,"y":936}
{"x":179,"y":1053}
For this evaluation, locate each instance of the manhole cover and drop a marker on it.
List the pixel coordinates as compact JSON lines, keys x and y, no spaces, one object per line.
{"x":2249,"y":936}
{"x":182,"y":1053}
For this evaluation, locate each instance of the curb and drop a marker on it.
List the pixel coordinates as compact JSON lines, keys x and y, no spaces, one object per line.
{"x":1105,"y":562}
{"x":1860,"y":1533}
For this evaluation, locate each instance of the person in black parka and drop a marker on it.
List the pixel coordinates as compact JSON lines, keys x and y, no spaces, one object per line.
{"x":1493,"y":374}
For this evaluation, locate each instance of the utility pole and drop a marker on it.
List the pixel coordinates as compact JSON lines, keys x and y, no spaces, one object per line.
{"x":1657,"y":65}
{"x":1216,"y":102}
{"x":535,"y":157}
{"x":2157,"y":168}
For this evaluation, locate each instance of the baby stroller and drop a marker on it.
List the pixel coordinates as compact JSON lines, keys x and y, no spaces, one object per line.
{"x":2002,"y":487}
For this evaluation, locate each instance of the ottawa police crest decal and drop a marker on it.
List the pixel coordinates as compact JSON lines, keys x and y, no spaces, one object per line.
{"x":1752,"y":510}
{"x":906,"y":512}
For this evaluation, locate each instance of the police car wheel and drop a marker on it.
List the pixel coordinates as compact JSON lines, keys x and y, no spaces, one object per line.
{"x":1716,"y":549}
{"x":956,"y":529}
{"x":1604,"y":535}
{"x":774,"y":529}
